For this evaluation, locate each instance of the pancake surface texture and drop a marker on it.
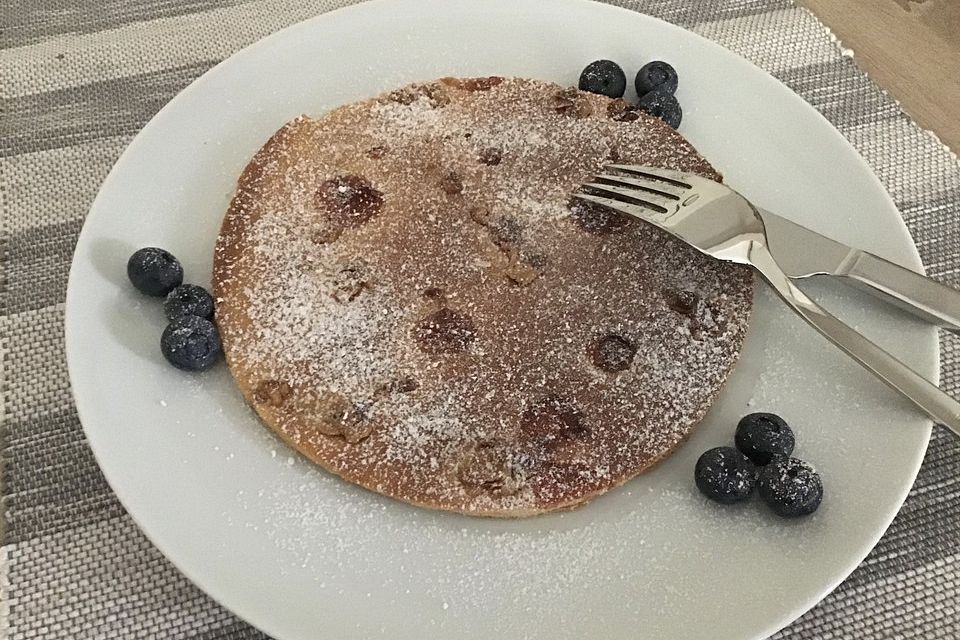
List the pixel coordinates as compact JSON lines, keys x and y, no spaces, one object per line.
{"x":406,"y":295}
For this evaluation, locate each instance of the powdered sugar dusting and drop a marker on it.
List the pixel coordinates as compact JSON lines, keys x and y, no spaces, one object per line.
{"x":425,"y":325}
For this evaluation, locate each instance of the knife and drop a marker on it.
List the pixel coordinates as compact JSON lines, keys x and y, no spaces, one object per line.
{"x":802,"y":253}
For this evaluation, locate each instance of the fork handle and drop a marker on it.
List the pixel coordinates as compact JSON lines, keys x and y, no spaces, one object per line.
{"x":926,"y":395}
{"x":928,"y":299}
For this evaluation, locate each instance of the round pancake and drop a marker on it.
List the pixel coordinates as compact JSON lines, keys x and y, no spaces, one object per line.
{"x":407,"y":295}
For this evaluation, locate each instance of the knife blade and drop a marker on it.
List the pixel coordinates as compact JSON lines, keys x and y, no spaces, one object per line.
{"x":802,"y":253}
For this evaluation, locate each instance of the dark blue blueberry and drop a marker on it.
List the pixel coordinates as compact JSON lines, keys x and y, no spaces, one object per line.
{"x":725,"y":475}
{"x":604,"y":77}
{"x":791,"y":487}
{"x":154,"y":271}
{"x":663,"y":106}
{"x":762,"y":436}
{"x":656,"y":76}
{"x":188,"y":300}
{"x":191,"y":343}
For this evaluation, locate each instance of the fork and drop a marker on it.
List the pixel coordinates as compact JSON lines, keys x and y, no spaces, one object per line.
{"x":716,"y":220}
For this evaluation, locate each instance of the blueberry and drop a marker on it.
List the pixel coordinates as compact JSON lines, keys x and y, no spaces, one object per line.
{"x":191,"y":343}
{"x":725,"y":475}
{"x":154,"y":271}
{"x":604,"y":77}
{"x":762,"y":436}
{"x":791,"y":487}
{"x":188,"y":300}
{"x":663,"y":106}
{"x":656,"y":76}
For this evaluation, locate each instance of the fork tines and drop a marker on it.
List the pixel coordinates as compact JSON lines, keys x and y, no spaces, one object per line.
{"x":665,"y":176}
{"x":630,"y":189}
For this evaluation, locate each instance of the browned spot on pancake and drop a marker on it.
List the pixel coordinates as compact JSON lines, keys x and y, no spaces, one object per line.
{"x":569,"y":102}
{"x":474,"y":84}
{"x":493,"y":468}
{"x":325,"y":234}
{"x":622,"y":111}
{"x":350,"y":281}
{"x":445,"y":331}
{"x":490,"y":156}
{"x":612,"y":353}
{"x":434,"y":92}
{"x":596,"y":218}
{"x":685,"y":302}
{"x":451,"y":183}
{"x":272,"y":392}
{"x":434,"y":293}
{"x":505,"y":231}
{"x":404,"y":95}
{"x":551,"y":419}
{"x":520,"y":273}
{"x":479,"y":214}
{"x":405,"y":384}
{"x":377,"y":152}
{"x":332,"y":414}
{"x":348,"y":201}
{"x":538,"y":260}
{"x":569,"y":453}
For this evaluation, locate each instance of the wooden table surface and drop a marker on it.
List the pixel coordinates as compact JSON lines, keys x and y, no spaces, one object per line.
{"x":911,"y":48}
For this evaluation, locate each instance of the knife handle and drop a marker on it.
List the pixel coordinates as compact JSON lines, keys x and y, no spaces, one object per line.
{"x":924,"y":297}
{"x":911,"y":385}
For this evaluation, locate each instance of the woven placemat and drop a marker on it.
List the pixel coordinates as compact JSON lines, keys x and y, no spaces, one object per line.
{"x":79,"y":79}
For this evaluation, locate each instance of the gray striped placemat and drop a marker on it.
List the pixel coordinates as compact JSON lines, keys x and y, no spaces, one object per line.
{"x":79,"y":79}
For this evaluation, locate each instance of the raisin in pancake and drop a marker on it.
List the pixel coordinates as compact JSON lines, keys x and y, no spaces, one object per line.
{"x":407,"y":295}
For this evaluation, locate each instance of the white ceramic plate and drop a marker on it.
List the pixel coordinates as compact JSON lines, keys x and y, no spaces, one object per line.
{"x":302,"y":555}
